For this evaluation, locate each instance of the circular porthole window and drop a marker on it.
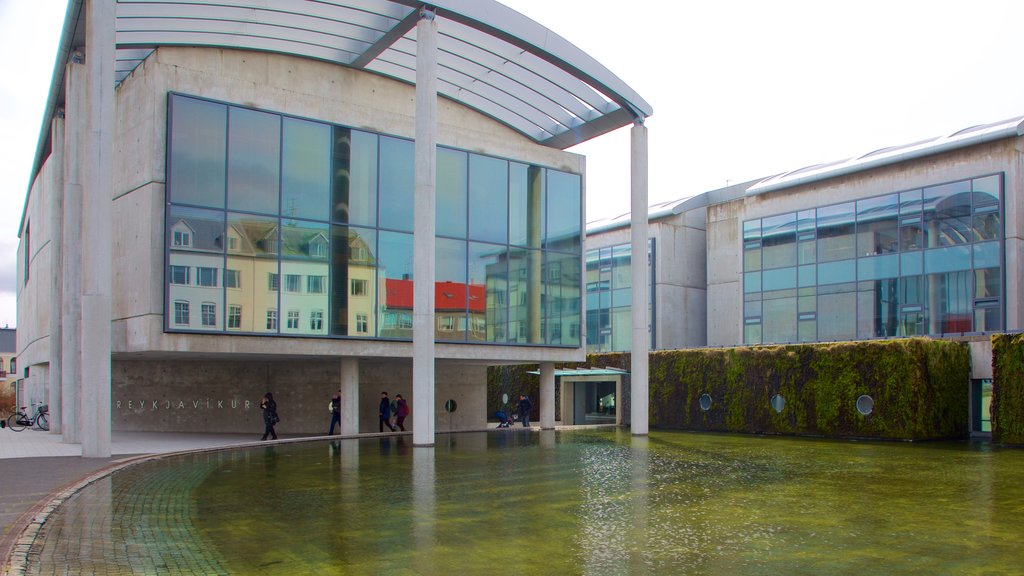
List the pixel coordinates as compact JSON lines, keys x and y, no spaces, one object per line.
{"x":451,"y":406}
{"x":865,"y":404}
{"x":705,"y":402}
{"x":778,"y":402}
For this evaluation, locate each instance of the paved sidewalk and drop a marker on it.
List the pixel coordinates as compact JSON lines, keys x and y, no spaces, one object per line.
{"x":39,"y":444}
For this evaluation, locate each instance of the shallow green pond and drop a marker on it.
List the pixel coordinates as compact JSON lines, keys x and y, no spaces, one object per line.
{"x":582,"y":502}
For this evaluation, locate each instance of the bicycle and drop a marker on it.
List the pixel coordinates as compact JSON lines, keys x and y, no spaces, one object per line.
{"x":20,"y":420}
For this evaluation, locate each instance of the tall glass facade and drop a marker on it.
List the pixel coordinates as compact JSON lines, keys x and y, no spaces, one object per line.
{"x":610,"y":298}
{"x":923,"y":261}
{"x":288,"y":226}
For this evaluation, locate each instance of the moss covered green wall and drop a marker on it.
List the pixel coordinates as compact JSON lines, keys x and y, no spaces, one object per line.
{"x":919,"y":387}
{"x":1008,"y":388}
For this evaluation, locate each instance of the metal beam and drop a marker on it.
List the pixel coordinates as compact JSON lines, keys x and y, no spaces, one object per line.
{"x":385,"y":41}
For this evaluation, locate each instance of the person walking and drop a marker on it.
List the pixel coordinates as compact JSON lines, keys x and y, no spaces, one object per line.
{"x":401,"y":411}
{"x":384,"y":412}
{"x":269,"y":416}
{"x":335,"y":407}
{"x":525,"y":406}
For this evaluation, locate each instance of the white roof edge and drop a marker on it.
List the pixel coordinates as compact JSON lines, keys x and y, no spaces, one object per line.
{"x":960,"y":139}
{"x":513,"y":27}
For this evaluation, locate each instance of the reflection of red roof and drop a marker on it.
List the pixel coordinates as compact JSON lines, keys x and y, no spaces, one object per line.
{"x":447,"y":295}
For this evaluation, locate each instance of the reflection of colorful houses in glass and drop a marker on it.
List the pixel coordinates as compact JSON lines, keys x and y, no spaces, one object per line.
{"x":452,"y":301}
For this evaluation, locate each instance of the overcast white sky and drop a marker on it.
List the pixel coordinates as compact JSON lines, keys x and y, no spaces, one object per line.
{"x":740,"y":88}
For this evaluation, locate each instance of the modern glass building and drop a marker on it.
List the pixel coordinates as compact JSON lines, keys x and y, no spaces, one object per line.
{"x":908,"y":263}
{"x":305,"y":198}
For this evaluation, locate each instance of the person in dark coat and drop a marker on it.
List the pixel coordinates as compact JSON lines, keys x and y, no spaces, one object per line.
{"x":401,"y":411}
{"x":384,"y":412}
{"x":335,"y":413}
{"x":525,"y":406}
{"x":269,"y":416}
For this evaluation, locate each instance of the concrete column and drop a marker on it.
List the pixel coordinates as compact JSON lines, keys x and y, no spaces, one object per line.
{"x":96,"y":234}
{"x":547,"y":395}
{"x":534,"y":233}
{"x":349,"y":396}
{"x":638,"y":396}
{"x":424,"y":226}
{"x":56,"y":220}
{"x":71,"y":239}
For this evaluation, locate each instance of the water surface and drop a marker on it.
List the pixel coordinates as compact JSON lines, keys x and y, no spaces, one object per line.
{"x":573,"y":502}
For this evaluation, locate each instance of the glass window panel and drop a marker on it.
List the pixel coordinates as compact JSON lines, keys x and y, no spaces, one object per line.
{"x":752,"y":257}
{"x":751,"y":282}
{"x":451,"y":293}
{"x":305,"y":254}
{"x":752,"y":230}
{"x":947,"y":214}
{"x":836,"y":240}
{"x":353,"y":288}
{"x":912,"y":291}
{"x":837,"y":272}
{"x":396,"y":183}
{"x":947,"y":259}
{"x":911,"y":234}
{"x":877,"y":224}
{"x":988,"y":283}
{"x":563,"y":212}
{"x":807,"y":275}
{"x":807,"y":252}
{"x":525,"y":291}
{"x":910,"y":202}
{"x":779,"y":320}
{"x":561,"y":296}
{"x":752,"y":334}
{"x":203,"y":255}
{"x":526,"y":204}
{"x":252,"y":252}
{"x":986,"y":255}
{"x":621,"y":330}
{"x":987,"y":190}
{"x":254,"y":160}
{"x":949,"y":302}
{"x":911,"y":264}
{"x":878,"y":309}
{"x":878,"y":267}
{"x":806,"y":220}
{"x":452,"y":177}
{"x":488,"y":199}
{"x":988,"y":318}
{"x":305,"y":169}
{"x":395,"y":272}
{"x":354,"y":192}
{"x":198,"y":159}
{"x":622,"y":298}
{"x":622,"y":270}
{"x":778,"y":279}
{"x":752,"y":310}
{"x":488,"y":273}
{"x":778,"y":242}
{"x":912,"y":324}
{"x":836,"y":320}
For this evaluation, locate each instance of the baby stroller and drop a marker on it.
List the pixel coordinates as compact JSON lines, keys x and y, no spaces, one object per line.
{"x":504,"y":420}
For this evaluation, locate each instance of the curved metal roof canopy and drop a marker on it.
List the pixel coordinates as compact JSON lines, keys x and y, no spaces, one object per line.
{"x":491,"y":58}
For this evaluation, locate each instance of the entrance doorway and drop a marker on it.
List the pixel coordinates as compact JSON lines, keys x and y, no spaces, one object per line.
{"x":594,"y":403}
{"x":981,"y":406}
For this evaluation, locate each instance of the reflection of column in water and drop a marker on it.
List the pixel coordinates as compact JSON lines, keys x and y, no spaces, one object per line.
{"x":423,"y":504}
{"x":637,"y":544}
{"x":547,"y":439}
{"x":349,"y":469}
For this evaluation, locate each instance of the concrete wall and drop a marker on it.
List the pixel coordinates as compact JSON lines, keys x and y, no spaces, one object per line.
{"x":223,"y":396}
{"x":724,"y":243}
